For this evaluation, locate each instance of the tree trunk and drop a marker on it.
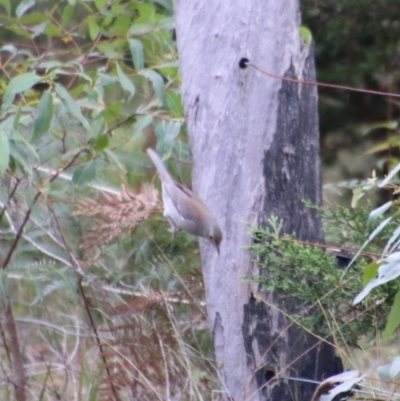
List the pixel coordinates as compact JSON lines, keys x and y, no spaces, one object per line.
{"x":255,"y":145}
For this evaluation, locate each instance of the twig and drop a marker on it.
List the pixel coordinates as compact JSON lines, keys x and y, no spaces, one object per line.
{"x":96,"y":334}
{"x":20,"y":379}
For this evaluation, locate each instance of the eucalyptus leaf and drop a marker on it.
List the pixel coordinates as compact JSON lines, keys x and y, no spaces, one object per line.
{"x":72,"y":106}
{"x":369,"y":272}
{"x":24,"y":6}
{"x":174,"y":103}
{"x":126,"y":83}
{"x":158,"y":85}
{"x":137,"y":53}
{"x":167,"y":4}
{"x":83,"y":176}
{"x":172,"y":130}
{"x":94,"y":29}
{"x":306,"y":34}
{"x":101,"y":143}
{"x":20,"y":157}
{"x":44,"y":115}
{"x":166,"y":23}
{"x":67,"y":14}
{"x":19,"y":84}
{"x":393,"y":321}
{"x":6,"y":4}
{"x":140,"y":125}
{"x":100,"y":4}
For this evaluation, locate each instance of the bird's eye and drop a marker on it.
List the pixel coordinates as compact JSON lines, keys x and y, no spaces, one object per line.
{"x":210,"y":237}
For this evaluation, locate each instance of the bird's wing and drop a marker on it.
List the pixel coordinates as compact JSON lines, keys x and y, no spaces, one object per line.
{"x":186,"y":202}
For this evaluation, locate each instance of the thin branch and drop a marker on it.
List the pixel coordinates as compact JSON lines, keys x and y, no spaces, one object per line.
{"x":18,"y":363}
{"x":10,"y":197}
{"x":19,"y":233}
{"x":96,"y":334}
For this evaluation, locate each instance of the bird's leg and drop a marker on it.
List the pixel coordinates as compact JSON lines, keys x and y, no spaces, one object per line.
{"x":173,"y":228}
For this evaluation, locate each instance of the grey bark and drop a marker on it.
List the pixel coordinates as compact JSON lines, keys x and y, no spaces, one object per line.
{"x":255,"y":146}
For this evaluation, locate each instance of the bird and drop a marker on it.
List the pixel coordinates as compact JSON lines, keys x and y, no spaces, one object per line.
{"x":183,"y":209}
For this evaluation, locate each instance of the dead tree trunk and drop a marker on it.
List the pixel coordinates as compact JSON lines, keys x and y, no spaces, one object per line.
{"x":255,"y":145}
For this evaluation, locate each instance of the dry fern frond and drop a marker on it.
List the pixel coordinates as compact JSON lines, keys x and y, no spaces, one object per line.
{"x":142,"y":351}
{"x":114,"y":213}
{"x":140,"y":304}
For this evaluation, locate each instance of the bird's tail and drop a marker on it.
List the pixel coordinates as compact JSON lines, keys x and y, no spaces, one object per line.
{"x":162,"y":170}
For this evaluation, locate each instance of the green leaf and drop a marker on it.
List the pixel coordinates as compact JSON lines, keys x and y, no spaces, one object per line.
{"x":126,"y":83}
{"x":20,"y":157}
{"x":44,"y":115}
{"x":167,"y":4}
{"x":393,"y":319}
{"x":166,"y":132}
{"x":72,"y":106}
{"x":19,"y":84}
{"x":85,"y":175}
{"x":140,"y":125}
{"x":146,"y":12}
{"x":53,"y":30}
{"x":109,"y":50}
{"x":137,"y":53}
{"x":306,"y":34}
{"x":4,"y":152}
{"x":33,"y":19}
{"x":172,"y":131}
{"x":158,"y":85}
{"x":67,"y":14}
{"x":24,"y":6}
{"x":367,"y":128}
{"x":19,"y":139}
{"x":94,"y":29}
{"x":174,"y":103}
{"x":369,"y":272}
{"x":100,"y":4}
{"x":140,"y":29}
{"x":166,"y":23}
{"x":100,"y":143}
{"x":107,"y":79}
{"x":6,"y":4}
{"x":115,"y":159}
{"x":358,"y":193}
{"x":120,"y":26}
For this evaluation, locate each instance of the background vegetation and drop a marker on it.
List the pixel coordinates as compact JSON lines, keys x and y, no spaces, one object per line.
{"x":105,"y":305}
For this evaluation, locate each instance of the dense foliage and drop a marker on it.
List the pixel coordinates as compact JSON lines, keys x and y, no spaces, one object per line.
{"x":313,"y":277}
{"x":98,"y":301}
